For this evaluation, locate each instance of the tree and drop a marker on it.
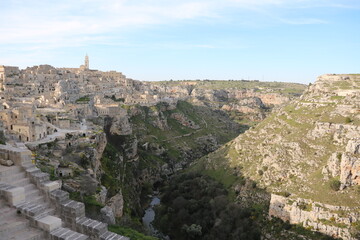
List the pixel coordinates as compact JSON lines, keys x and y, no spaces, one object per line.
{"x":335,"y":184}
{"x":193,"y":231}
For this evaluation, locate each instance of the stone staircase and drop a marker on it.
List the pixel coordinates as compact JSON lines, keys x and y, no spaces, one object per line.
{"x":34,"y":208}
{"x":13,"y":226}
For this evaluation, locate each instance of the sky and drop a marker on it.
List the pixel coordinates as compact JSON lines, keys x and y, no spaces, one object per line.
{"x":270,"y":40}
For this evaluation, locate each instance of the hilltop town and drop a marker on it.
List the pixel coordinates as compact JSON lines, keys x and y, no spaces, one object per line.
{"x":39,"y":101}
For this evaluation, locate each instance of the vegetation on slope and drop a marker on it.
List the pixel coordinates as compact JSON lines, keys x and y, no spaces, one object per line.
{"x":177,"y":138}
{"x":288,"y":89}
{"x":196,"y":206}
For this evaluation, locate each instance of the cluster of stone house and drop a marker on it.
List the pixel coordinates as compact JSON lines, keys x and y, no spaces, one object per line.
{"x":40,"y":100}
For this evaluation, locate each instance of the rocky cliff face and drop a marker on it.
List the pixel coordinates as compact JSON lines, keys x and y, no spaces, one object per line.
{"x":308,"y":152}
{"x":250,"y":100}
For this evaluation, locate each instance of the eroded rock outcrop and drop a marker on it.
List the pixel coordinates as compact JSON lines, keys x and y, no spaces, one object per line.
{"x":116,"y":203}
{"x":320,"y":217}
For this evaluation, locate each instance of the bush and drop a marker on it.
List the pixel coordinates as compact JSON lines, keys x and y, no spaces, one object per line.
{"x":335,"y":184}
{"x":193,"y":203}
{"x":305,"y":206}
{"x":193,"y":231}
{"x":260,"y":172}
{"x":348,"y":120}
{"x":284,"y":194}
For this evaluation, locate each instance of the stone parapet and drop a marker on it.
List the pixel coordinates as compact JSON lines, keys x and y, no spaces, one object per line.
{"x":92,"y":228}
{"x":70,"y":210}
{"x":66,"y":234}
{"x":112,"y":236}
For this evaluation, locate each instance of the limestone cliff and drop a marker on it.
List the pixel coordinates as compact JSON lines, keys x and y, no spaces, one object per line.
{"x":308,"y":153}
{"x":250,"y":100}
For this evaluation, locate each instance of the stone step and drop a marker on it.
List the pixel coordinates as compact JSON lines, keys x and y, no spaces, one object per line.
{"x":21,"y":182}
{"x":36,"y":210}
{"x":28,"y":234}
{"x":7,"y":171}
{"x":29,"y":187}
{"x":27,"y":165}
{"x":36,"y":200}
{"x":32,"y":194}
{"x":13,"y":177}
{"x":66,"y":234}
{"x":32,"y":169}
{"x":49,"y":223}
{"x":32,"y":209}
{"x":46,"y":212}
{"x":7,"y":212}
{"x":11,"y":226}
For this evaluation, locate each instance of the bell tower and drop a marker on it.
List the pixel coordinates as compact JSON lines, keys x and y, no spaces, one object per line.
{"x":86,"y":62}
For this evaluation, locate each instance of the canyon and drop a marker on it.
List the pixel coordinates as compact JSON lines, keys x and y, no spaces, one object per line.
{"x":109,"y":141}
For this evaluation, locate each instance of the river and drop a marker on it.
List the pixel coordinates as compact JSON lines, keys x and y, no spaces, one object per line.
{"x":149,"y":215}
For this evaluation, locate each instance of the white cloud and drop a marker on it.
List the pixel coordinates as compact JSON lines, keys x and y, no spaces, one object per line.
{"x":65,"y":21}
{"x":53,"y":24}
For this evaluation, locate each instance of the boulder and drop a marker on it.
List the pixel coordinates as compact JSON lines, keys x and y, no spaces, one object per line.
{"x":116,"y":203}
{"x":107,"y":215}
{"x":6,"y":162}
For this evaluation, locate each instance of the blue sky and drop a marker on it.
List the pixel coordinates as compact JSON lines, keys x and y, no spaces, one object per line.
{"x":272,"y":40}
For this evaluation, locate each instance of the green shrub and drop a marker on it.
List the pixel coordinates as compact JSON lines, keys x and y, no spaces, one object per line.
{"x":335,"y":184}
{"x":284,"y":194}
{"x":348,"y":120}
{"x":305,"y":206}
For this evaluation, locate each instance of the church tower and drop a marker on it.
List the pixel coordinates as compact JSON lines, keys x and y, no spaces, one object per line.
{"x":86,"y":62}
